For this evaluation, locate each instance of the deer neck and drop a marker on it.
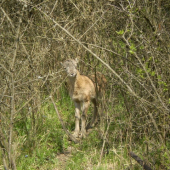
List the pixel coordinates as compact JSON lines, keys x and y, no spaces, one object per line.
{"x":74,"y":79}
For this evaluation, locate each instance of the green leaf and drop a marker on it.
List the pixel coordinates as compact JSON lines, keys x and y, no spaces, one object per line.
{"x":150,"y":58}
{"x":120,"y":32}
{"x":159,"y":77}
{"x":132,"y":47}
{"x":152,"y":73}
{"x":131,"y":51}
{"x":142,"y":47}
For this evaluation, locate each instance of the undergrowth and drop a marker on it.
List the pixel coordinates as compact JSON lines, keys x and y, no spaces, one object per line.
{"x":41,"y":143}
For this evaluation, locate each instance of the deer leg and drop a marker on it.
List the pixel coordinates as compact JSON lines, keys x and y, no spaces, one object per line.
{"x":95,"y":114}
{"x":77,"y":119}
{"x":85,"y":107}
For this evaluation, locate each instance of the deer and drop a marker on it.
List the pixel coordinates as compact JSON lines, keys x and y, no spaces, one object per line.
{"x":82,"y":91}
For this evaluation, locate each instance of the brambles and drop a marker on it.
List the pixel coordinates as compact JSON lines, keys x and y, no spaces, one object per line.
{"x":127,"y":41}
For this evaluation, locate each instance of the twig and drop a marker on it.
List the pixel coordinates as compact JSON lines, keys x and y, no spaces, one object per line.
{"x":54,"y":7}
{"x":5,"y":69}
{"x":25,"y":103}
{"x":7,"y":17}
{"x":104,"y":142}
{"x":4,"y":148}
{"x":62,"y":122}
{"x":140,"y":161}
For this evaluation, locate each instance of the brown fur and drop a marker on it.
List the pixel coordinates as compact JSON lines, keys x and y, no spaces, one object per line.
{"x":100,"y":83}
{"x":82,"y":91}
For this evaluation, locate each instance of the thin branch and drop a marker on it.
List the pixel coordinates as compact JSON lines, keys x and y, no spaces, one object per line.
{"x":4,"y":148}
{"x":108,"y":50}
{"x":92,"y":25}
{"x":7,"y":17}
{"x":62,"y":122}
{"x":54,"y":7}
{"x":5,"y":69}
{"x":12,"y":88}
{"x":140,"y":161}
{"x":104,"y":142}
{"x":25,"y":104}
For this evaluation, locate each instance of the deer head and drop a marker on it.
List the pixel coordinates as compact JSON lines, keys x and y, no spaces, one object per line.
{"x":70,"y":66}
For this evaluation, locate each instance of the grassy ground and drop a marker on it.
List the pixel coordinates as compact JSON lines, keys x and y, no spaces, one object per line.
{"x":48,"y":148}
{"x":53,"y":150}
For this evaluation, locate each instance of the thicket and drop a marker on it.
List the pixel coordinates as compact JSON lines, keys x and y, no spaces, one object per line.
{"x":128,"y":41}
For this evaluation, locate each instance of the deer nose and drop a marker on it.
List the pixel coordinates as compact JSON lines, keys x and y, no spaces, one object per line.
{"x":72,"y":74}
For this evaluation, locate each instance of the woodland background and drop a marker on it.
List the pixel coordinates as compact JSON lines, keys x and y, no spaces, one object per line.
{"x":127,"y":40}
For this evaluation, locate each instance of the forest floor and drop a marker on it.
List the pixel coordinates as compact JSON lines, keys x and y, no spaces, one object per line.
{"x":62,"y":160}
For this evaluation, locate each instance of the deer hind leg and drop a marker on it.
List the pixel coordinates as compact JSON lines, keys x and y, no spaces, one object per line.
{"x":77,"y":119}
{"x":95,"y":114}
{"x":85,"y":106}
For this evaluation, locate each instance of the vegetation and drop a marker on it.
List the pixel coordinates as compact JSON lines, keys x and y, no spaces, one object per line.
{"x":128,"y":41}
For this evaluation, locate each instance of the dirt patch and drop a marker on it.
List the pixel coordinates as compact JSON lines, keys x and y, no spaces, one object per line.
{"x":62,"y":161}
{"x":63,"y":158}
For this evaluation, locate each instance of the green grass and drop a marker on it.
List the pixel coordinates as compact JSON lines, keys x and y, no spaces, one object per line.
{"x":41,"y":145}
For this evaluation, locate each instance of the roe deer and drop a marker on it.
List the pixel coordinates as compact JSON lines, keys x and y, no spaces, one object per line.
{"x":82,"y":90}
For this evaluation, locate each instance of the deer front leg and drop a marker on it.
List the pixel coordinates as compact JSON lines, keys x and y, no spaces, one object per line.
{"x":77,"y":119}
{"x":83,"y":118}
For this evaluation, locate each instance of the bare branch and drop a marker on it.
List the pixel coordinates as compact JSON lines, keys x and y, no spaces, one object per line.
{"x":7,"y":17}
{"x":140,"y":161}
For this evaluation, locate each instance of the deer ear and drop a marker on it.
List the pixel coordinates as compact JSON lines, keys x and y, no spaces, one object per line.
{"x":62,"y":64}
{"x":77,"y":59}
